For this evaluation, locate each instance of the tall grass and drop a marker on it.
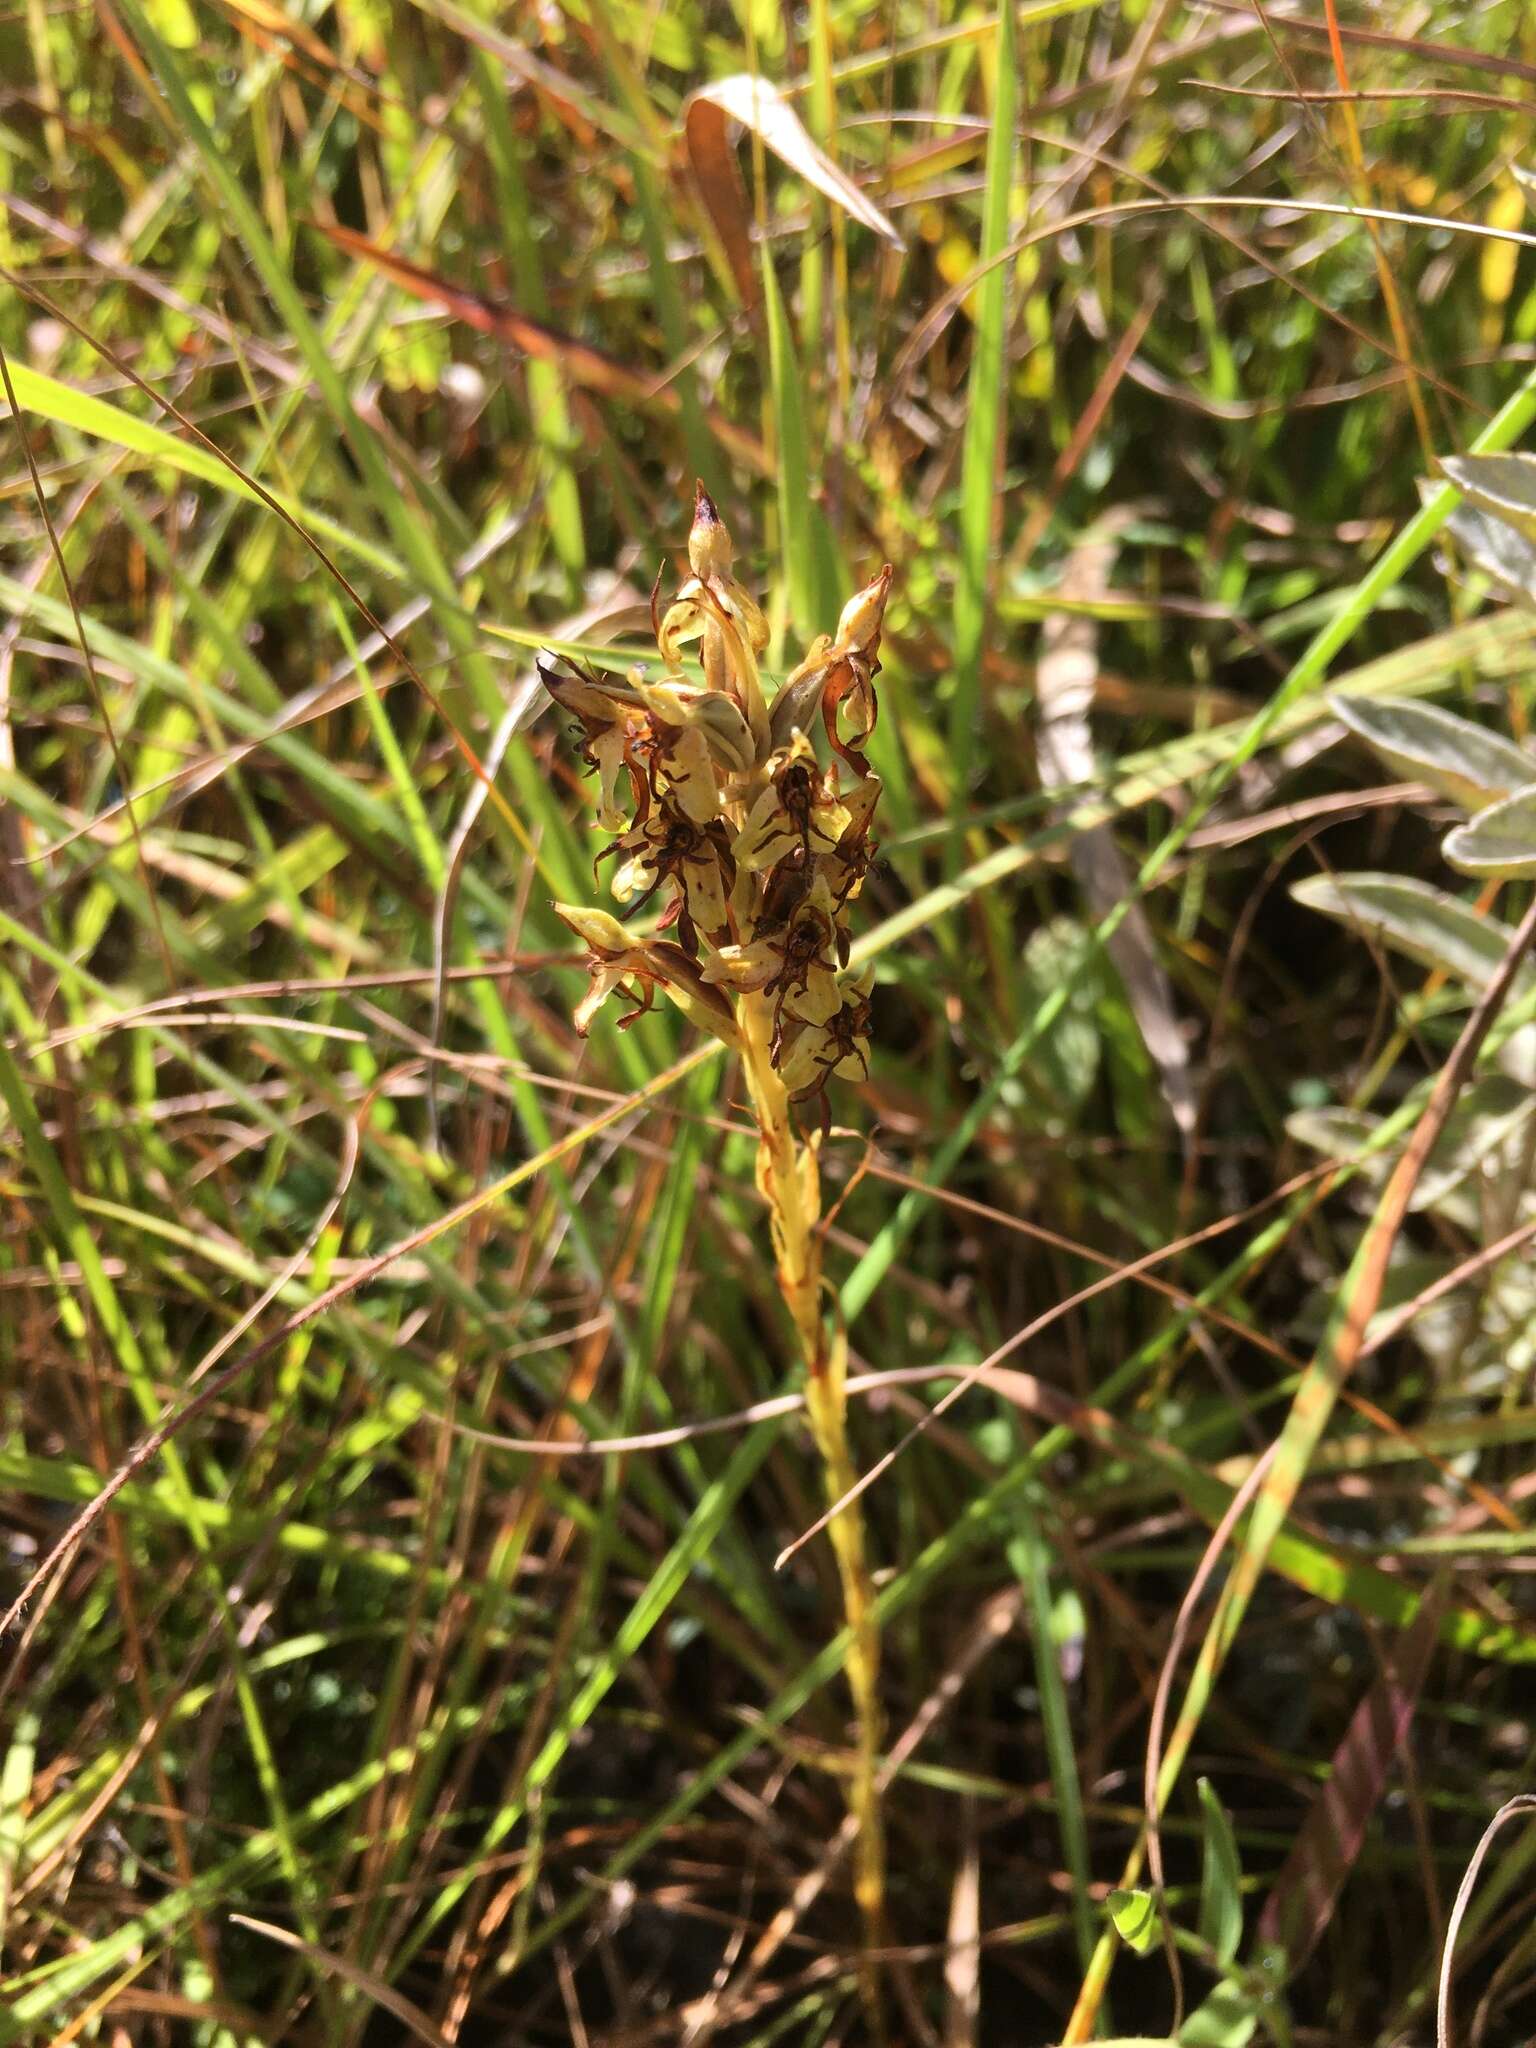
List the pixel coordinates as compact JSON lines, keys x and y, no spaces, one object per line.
{"x":437,"y":1674}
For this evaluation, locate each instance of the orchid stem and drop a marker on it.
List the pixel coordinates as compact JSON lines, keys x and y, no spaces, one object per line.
{"x":790,"y":1183}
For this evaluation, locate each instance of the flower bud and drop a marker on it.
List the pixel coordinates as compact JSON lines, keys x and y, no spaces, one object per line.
{"x":710,"y":550}
{"x":858,"y":630}
{"x":604,"y":934}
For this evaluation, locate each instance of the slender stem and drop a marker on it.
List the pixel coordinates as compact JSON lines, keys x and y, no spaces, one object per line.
{"x":788,"y":1178}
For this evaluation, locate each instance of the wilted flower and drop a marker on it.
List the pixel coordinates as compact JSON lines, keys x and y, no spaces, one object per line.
{"x":697,"y":739}
{"x":795,"y":963}
{"x":669,"y":846}
{"x":838,"y":676}
{"x":848,"y":862}
{"x":609,"y":725}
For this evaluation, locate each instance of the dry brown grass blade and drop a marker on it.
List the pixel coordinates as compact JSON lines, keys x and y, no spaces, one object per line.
{"x":586,"y":365}
{"x":962,"y":1964}
{"x":762,"y":109}
{"x":295,"y":526}
{"x":1360,"y":177}
{"x":1301,"y":1903}
{"x":1183,"y":1620}
{"x":383,"y":1995}
{"x":992,"y":1626}
{"x":1523,"y":1802}
{"x":56,"y":549}
{"x":265,"y":20}
{"x":1480,"y":1262}
{"x":988,"y":1369}
{"x":1417,"y":47}
{"x":1065,"y":677}
{"x":1314,"y":1401}
{"x":590,"y":367}
{"x":927,"y":331}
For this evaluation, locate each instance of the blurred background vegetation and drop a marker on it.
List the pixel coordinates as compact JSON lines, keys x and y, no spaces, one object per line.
{"x":356,"y":350}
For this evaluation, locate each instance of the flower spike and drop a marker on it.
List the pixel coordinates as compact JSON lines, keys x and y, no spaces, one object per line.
{"x":751,"y":844}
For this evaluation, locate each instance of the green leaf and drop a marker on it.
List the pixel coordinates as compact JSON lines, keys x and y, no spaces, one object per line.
{"x":1336,"y":1131}
{"x":1057,"y":955}
{"x":804,"y":537}
{"x":1134,"y":1914}
{"x":1228,"y":2019}
{"x":15,"y":1793}
{"x":1497,"y":550}
{"x":1221,"y":1901}
{"x":52,"y":400}
{"x":1500,"y":841}
{"x":985,"y":413}
{"x":1414,"y":918}
{"x":1503,"y":485}
{"x":1487,"y":1117}
{"x":1029,"y":1554}
{"x":1463,"y":761}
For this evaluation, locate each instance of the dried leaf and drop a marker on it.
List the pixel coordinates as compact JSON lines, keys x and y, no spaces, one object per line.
{"x":583,"y":364}
{"x":762,"y":108}
{"x":1064,"y":681}
{"x":383,"y":1995}
{"x":962,"y":1962}
{"x":272,"y":21}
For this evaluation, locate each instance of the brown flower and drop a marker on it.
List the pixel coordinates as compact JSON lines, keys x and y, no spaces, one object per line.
{"x":762,"y":846}
{"x":612,"y":724}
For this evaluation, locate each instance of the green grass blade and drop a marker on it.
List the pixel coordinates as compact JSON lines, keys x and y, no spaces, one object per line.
{"x":985,"y":417}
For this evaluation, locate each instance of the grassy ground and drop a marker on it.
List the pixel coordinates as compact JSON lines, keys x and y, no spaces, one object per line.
{"x":359,"y":350}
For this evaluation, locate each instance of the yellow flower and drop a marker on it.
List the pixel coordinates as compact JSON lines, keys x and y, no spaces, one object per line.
{"x":763,"y":847}
{"x":836,"y":1048}
{"x":616,"y":956}
{"x":796,"y":962}
{"x":710,"y":548}
{"x":667,"y":845}
{"x":847,"y":864}
{"x":713,"y":608}
{"x":798,"y":809}
{"x":697,"y":736}
{"x":850,"y":691}
{"x":838,"y":676}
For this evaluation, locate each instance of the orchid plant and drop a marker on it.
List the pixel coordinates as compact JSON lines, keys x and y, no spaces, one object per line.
{"x":755,"y":846}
